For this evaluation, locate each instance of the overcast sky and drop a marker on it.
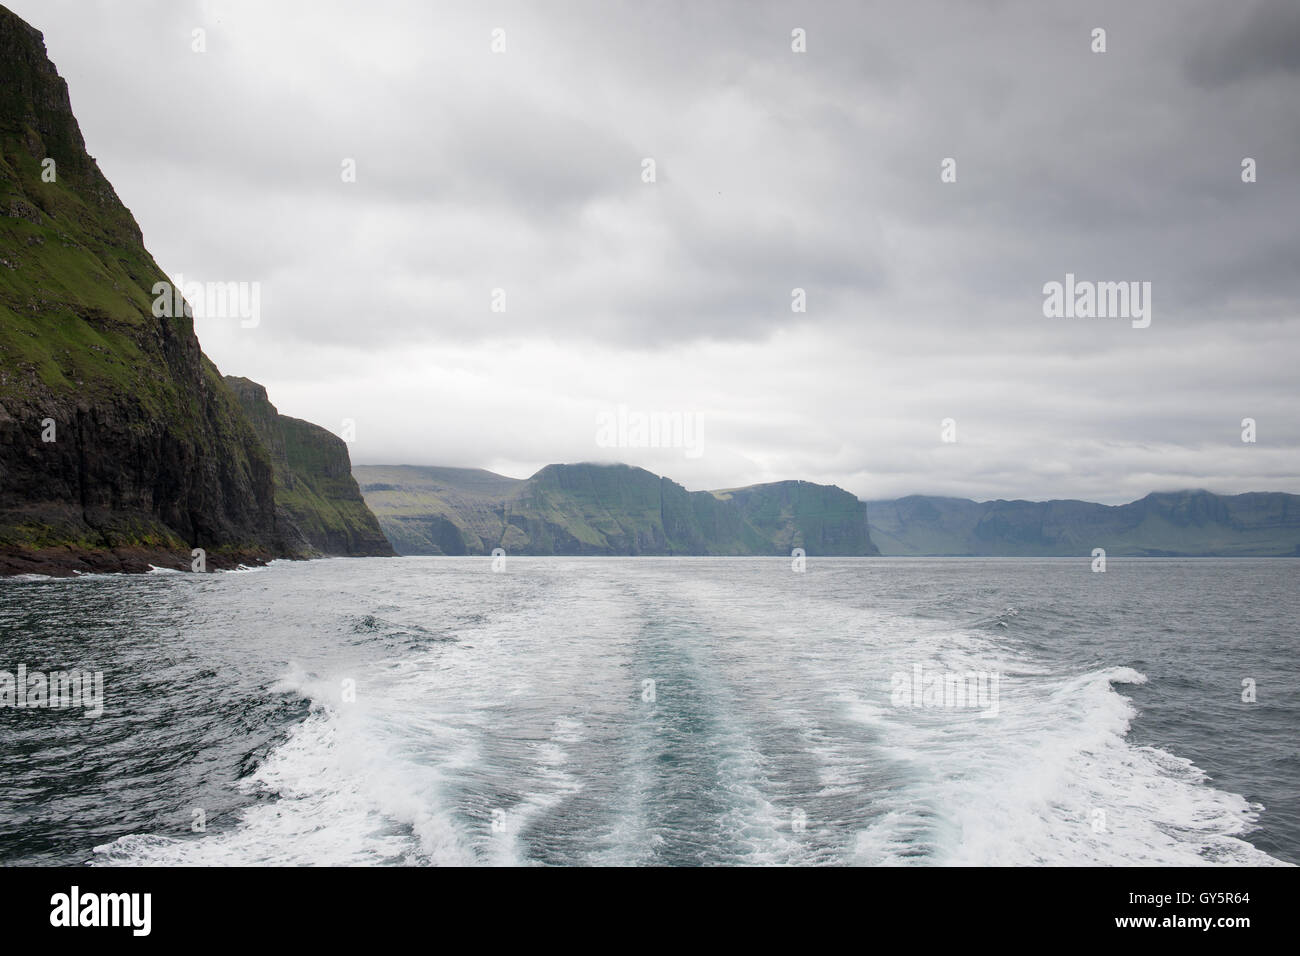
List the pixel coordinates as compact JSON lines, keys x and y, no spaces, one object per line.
{"x":522,"y":170}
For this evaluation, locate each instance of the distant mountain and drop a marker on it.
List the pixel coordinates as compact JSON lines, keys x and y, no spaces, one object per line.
{"x":1173,"y":524}
{"x":590,"y":509}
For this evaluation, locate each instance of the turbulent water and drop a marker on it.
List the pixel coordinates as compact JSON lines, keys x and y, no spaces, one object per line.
{"x":435,"y":711}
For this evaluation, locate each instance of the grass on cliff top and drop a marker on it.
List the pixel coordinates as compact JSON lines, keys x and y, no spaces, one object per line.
{"x":75,"y":291}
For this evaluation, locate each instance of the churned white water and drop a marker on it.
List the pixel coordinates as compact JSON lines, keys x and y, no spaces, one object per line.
{"x":673,"y":711}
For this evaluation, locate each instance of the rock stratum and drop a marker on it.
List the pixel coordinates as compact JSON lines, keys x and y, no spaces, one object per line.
{"x":591,"y":509}
{"x":1164,"y":524}
{"x":121,"y":445}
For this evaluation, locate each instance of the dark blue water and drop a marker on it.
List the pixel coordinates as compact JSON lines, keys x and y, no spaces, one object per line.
{"x":424,"y":711}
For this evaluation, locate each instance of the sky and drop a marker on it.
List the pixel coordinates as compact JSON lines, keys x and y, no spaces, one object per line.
{"x":503,"y":278}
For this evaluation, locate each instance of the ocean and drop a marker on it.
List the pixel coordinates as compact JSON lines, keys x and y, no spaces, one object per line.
{"x":661,"y":711}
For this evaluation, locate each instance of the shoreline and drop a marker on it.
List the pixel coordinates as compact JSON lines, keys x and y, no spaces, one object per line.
{"x":65,"y":563}
{"x":69,"y":562}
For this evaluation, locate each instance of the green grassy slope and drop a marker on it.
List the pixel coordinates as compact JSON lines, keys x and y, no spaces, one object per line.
{"x":150,"y":449}
{"x":604,"y":509}
{"x":319,"y":508}
{"x":152,"y":454}
{"x":439,"y":510}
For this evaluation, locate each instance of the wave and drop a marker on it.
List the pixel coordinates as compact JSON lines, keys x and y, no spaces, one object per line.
{"x":337,"y":792}
{"x":1055,"y":781}
{"x":525,"y":739}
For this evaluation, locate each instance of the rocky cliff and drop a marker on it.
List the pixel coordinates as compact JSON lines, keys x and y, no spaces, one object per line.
{"x":821,"y":519}
{"x":318,"y":506}
{"x":120,"y":443}
{"x":606,"y":510}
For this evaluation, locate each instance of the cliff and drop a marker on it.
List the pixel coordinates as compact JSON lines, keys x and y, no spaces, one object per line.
{"x":318,"y":506}
{"x":121,"y":445}
{"x":605,"y":510}
{"x":821,"y":519}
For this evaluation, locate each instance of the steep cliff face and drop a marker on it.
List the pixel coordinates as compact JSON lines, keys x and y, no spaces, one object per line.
{"x":616,"y":509}
{"x":318,"y":506}
{"x":821,"y":519}
{"x":605,"y":510}
{"x":1165,"y":524}
{"x":120,"y":443}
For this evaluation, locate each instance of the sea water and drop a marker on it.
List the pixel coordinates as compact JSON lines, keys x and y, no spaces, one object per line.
{"x":559,"y":711}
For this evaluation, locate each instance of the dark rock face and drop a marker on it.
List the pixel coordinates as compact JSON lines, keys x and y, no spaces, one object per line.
{"x":319,"y":508}
{"x":120,"y":443}
{"x":606,"y":510}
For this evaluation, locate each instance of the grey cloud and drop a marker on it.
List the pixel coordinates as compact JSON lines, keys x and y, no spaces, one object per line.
{"x":1264,"y":40}
{"x":776,"y":170}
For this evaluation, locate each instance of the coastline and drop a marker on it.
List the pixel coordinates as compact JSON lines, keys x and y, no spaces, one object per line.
{"x":68,"y":562}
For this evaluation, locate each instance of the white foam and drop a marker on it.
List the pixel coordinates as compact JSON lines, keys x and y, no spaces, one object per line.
{"x":343,"y":796}
{"x":516,"y":716}
{"x":1053,"y":780}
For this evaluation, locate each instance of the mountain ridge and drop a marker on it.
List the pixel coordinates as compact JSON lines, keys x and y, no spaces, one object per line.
{"x":610,"y":509}
{"x":1186,"y":523}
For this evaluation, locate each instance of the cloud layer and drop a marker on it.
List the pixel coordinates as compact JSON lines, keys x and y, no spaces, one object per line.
{"x":522,"y":171}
